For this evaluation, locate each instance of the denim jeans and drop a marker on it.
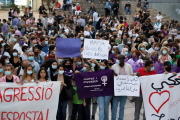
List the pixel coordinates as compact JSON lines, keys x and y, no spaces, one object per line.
{"x":145,"y":7}
{"x":94,"y":24}
{"x":116,"y":100}
{"x":86,"y":110}
{"x":103,"y":103}
{"x":128,"y":10}
{"x":77,"y":108}
{"x":61,"y":112}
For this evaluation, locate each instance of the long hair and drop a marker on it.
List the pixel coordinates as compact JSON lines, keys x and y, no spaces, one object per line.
{"x":33,"y":75}
{"x":43,"y":68}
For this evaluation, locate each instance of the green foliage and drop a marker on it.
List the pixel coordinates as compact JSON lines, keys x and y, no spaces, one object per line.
{"x":16,"y":7}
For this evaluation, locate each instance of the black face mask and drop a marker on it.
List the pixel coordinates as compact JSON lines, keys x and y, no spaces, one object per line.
{"x":168,"y":69}
{"x":68,"y":66}
{"x":23,"y":67}
{"x":110,"y":64}
{"x":8,"y":49}
{"x":115,"y":36}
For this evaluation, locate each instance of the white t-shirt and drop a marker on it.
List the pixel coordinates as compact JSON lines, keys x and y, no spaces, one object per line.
{"x":23,"y":56}
{"x":74,"y":8}
{"x":50,"y":20}
{"x":18,"y":48}
{"x":159,"y":17}
{"x":119,"y":33}
{"x":86,"y":33}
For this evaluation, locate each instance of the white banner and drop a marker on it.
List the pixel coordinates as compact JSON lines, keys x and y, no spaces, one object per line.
{"x":161,"y":96}
{"x":30,"y":101}
{"x":125,"y":85}
{"x":96,"y":49}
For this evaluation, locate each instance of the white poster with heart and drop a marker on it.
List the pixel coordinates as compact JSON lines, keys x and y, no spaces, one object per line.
{"x":161,"y":96}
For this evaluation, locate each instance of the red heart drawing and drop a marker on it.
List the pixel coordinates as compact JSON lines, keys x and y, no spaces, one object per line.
{"x":165,"y":91}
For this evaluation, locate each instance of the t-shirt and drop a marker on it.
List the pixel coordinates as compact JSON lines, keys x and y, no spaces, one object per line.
{"x":75,"y":97}
{"x":95,"y":16}
{"x":7,"y":80}
{"x":159,"y":17}
{"x":59,"y":18}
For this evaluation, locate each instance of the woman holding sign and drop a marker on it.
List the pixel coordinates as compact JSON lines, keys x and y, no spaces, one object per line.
{"x":104,"y":101}
{"x":120,"y":68}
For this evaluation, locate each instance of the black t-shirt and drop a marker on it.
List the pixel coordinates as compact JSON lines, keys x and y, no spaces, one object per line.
{"x":59,"y":18}
{"x":79,"y":28}
{"x":7,"y":80}
{"x":39,"y":24}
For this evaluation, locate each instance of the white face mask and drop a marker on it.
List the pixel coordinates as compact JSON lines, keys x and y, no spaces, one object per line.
{"x":82,"y":38}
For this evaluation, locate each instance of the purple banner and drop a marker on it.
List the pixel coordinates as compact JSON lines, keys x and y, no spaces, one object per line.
{"x":68,"y":47}
{"x":95,"y":84}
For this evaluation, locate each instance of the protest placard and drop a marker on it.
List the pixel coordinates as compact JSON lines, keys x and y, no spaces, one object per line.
{"x":160,"y":96}
{"x":96,"y":49}
{"x":30,"y":101}
{"x":125,"y":85}
{"x":95,"y":84}
{"x":68,"y":47}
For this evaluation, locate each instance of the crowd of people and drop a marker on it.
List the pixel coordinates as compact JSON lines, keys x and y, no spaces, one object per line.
{"x":28,"y":52}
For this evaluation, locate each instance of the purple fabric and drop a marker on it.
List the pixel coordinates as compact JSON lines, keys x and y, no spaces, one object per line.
{"x":177,"y":70}
{"x":79,"y":68}
{"x":112,"y":55}
{"x":95,"y":84}
{"x":5,"y":29}
{"x":136,"y":66}
{"x":174,"y":66}
{"x":17,"y":32}
{"x":165,"y":34}
{"x":68,"y":47}
{"x":68,"y":72}
{"x":158,"y":67}
{"x":126,"y":59}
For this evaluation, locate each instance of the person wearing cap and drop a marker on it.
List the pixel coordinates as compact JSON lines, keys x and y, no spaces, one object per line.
{"x":145,"y":71}
{"x":128,"y":8}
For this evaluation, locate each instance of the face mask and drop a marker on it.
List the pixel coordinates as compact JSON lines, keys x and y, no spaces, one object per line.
{"x":52,"y":31}
{"x":31,"y":28}
{"x":31,"y":58}
{"x":154,"y":57}
{"x":44,"y":35}
{"x":61,"y":35}
{"x":177,"y":56}
{"x":164,"y":52}
{"x":1,"y":70}
{"x":126,"y":53}
{"x":54,"y":67}
{"x":60,"y":60}
{"x":7,"y":62}
{"x":113,"y":52}
{"x":68,"y":66}
{"x":115,"y":36}
{"x":46,"y":42}
{"x":152,"y":69}
{"x":156,"y":48}
{"x":36,"y":53}
{"x":175,"y":33}
{"x":15,"y":54}
{"x":8,"y":73}
{"x":102,"y":68}
{"x":61,"y":72}
{"x":35,"y":44}
{"x":93,"y":64}
{"x":123,"y":20}
{"x":27,"y":51}
{"x":128,"y":42}
{"x":169,"y":38}
{"x":173,"y":49}
{"x":142,"y":48}
{"x":82,"y":38}
{"x":15,"y":40}
{"x":3,"y":44}
{"x":110,"y":64}
{"x":79,"y":63}
{"x":122,"y":28}
{"x":84,"y":69}
{"x":134,"y":35}
{"x":29,"y":72}
{"x":133,"y":56}
{"x":22,"y":42}
{"x":117,"y":61}
{"x":35,"y":28}
{"x":54,"y":52}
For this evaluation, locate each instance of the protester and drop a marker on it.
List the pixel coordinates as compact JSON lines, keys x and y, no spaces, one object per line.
{"x":120,"y":68}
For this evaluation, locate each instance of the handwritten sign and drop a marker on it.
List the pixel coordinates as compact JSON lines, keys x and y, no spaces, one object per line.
{"x":161,"y":96}
{"x":96,"y":49}
{"x":125,"y":85}
{"x":30,"y":101}
{"x":95,"y":84}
